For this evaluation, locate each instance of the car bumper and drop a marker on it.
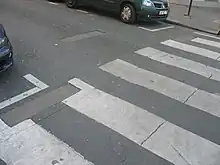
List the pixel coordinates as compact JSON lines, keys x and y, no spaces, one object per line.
{"x":151,"y":13}
{"x":6,"y":59}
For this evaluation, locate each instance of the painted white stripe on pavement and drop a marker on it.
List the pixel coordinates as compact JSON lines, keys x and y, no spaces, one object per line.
{"x":3,"y":126}
{"x":180,"y":62}
{"x":192,"y":49}
{"x":179,"y":91}
{"x":167,"y":86}
{"x":19,"y":97}
{"x":207,"y":35}
{"x":35,"y":81}
{"x":82,"y":11}
{"x":182,"y":147}
{"x":109,"y":110}
{"x":152,"y":132}
{"x":155,"y":30}
{"x":52,"y":3}
{"x":206,"y":42}
{"x":31,"y":144}
{"x":80,"y":84}
{"x":40,"y":86}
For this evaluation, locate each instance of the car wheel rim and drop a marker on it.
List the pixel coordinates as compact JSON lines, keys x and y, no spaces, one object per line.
{"x":126,"y":13}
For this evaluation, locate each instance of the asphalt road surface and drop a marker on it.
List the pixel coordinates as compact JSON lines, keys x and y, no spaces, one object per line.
{"x":87,"y":89}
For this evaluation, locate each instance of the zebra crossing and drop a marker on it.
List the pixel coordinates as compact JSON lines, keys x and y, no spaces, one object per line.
{"x":165,"y":139}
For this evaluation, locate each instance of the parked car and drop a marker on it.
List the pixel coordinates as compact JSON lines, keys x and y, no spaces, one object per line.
{"x":129,"y":10}
{"x":6,"y":51}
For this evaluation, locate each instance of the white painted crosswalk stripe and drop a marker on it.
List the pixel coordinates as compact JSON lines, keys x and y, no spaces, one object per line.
{"x":167,"y":86}
{"x":174,"y":89}
{"x":192,"y":49}
{"x":206,"y":42}
{"x":180,"y":62}
{"x":207,"y":35}
{"x":39,"y":87}
{"x":27,"y":143}
{"x":168,"y":141}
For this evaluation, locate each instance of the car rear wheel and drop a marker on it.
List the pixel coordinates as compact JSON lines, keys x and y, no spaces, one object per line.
{"x":71,"y":3}
{"x":128,"y":14}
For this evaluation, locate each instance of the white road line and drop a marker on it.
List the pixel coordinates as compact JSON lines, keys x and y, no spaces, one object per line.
{"x":31,"y":144}
{"x":79,"y":84}
{"x":19,"y":97}
{"x":206,"y":42}
{"x":82,"y":36}
{"x":155,"y":30}
{"x":167,"y":86}
{"x":217,"y":21}
{"x":52,"y":3}
{"x":192,"y":49}
{"x":207,"y":35}
{"x":82,"y":11}
{"x":39,"y":87}
{"x":35,"y":81}
{"x":174,"y":89}
{"x":166,"y":140}
{"x":3,"y":127}
{"x":180,"y":62}
{"x":108,"y":110}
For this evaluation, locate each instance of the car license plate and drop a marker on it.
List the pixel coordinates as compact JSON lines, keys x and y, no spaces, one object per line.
{"x":163,"y":12}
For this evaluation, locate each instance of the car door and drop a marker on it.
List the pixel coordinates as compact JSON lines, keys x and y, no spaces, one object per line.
{"x":111,"y":4}
{"x":93,"y":3}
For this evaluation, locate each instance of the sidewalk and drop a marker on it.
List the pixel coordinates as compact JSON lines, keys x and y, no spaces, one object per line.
{"x":201,"y":18}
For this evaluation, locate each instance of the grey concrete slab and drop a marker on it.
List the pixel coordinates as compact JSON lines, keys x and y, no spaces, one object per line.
{"x":201,"y":19}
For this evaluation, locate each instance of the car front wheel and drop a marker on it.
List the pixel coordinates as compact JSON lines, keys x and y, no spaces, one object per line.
{"x":71,"y":3}
{"x":128,"y":14}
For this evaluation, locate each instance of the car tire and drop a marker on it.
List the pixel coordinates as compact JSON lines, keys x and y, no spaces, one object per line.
{"x":71,"y":3}
{"x":128,"y":13}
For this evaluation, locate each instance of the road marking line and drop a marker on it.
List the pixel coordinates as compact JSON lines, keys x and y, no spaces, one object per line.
{"x":82,"y":36}
{"x":79,"y":84}
{"x":192,"y":49}
{"x":174,"y":89}
{"x":108,"y":110}
{"x":39,"y":87}
{"x":167,"y":86}
{"x":180,"y":62}
{"x":36,"y":81}
{"x":3,"y":127}
{"x":217,"y":21}
{"x":144,"y":128}
{"x":207,"y":35}
{"x":155,"y":30}
{"x":31,"y":144}
{"x":82,"y":11}
{"x":53,"y":3}
{"x":19,"y":97}
{"x":38,"y":104}
{"x":206,"y":42}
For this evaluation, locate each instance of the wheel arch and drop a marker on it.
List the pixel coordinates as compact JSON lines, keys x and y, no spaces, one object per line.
{"x":131,"y":2}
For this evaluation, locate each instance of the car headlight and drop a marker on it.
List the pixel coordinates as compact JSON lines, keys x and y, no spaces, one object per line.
{"x":3,"y":42}
{"x":147,"y":3}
